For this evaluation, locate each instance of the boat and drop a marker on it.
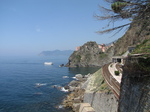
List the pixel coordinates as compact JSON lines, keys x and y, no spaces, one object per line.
{"x":48,"y":63}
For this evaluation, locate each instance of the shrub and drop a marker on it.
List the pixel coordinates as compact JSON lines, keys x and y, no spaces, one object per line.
{"x":78,"y":58}
{"x":117,"y":73}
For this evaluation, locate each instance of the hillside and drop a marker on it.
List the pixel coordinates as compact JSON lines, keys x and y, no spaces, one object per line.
{"x":143,"y":48}
{"x":89,"y":55}
{"x":135,"y":35}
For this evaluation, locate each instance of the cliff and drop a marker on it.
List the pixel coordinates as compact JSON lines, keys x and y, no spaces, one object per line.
{"x":89,"y":55}
{"x":135,"y":86}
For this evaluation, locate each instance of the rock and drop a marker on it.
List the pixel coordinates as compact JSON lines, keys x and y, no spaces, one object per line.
{"x":86,"y":76}
{"x":84,"y":85}
{"x":89,"y":55}
{"x":77,"y":100}
{"x":66,"y":87}
{"x":76,"y":107}
{"x":78,"y":76}
{"x":71,"y":88}
{"x":74,"y":83}
{"x":61,"y":65}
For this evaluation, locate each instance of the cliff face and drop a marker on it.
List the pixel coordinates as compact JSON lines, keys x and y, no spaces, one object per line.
{"x":135,"y":86}
{"x":89,"y":55}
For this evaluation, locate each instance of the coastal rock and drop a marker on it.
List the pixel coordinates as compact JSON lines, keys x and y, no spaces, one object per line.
{"x":74,"y":83}
{"x":73,"y":88}
{"x":85,"y":84}
{"x":76,"y":95}
{"x":76,"y":107}
{"x":88,"y":75}
{"x":79,"y":76}
{"x":77,"y":100}
{"x":66,"y":87}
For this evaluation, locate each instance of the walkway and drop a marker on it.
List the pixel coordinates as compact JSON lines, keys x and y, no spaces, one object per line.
{"x":112,"y":68}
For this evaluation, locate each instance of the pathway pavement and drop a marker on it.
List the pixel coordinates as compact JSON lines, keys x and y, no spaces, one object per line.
{"x":112,"y":68}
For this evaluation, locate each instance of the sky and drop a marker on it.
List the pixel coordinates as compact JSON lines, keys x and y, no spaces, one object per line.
{"x":28,"y":27}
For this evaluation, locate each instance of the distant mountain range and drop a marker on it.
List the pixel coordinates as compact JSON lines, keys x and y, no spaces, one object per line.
{"x":56,"y":53}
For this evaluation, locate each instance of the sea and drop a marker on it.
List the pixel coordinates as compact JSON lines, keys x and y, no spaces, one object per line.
{"x":27,"y":85}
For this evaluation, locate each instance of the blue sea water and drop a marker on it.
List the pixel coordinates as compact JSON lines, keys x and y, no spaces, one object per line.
{"x":19,"y":79}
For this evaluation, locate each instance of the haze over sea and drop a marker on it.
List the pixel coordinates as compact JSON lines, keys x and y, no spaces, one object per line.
{"x":26,"y":83}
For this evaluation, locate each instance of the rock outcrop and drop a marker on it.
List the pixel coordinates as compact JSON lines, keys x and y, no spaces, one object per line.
{"x":89,"y":55}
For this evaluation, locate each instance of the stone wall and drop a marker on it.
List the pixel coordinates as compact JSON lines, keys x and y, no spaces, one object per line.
{"x":98,"y":94}
{"x":101,"y":102}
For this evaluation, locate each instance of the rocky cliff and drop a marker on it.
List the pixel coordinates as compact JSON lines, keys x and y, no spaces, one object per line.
{"x":135,"y":86}
{"x":89,"y":55}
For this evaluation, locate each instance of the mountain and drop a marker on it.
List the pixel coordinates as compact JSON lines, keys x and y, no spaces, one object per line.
{"x":89,"y":55}
{"x":56,"y":53}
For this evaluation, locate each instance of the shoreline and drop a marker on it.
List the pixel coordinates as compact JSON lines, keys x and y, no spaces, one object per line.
{"x":91,"y":89}
{"x":76,"y":90}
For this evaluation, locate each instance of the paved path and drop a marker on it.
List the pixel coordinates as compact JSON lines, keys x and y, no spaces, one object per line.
{"x":112,"y":68}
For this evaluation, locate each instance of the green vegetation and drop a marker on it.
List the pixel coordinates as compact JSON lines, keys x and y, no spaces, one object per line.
{"x":102,"y":55}
{"x":143,"y":48}
{"x":138,"y":67}
{"x":135,"y":10}
{"x":144,"y":64}
{"x":118,"y":6}
{"x":100,"y":83}
{"x":117,"y":73}
{"x":78,"y":57}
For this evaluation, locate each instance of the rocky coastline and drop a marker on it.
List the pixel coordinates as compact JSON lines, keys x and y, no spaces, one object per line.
{"x":77,"y":90}
{"x":91,"y":89}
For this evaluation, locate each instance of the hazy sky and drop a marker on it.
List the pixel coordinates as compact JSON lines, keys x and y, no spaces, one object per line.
{"x":32,"y":26}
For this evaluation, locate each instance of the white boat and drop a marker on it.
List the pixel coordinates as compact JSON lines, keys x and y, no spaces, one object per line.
{"x":48,"y":63}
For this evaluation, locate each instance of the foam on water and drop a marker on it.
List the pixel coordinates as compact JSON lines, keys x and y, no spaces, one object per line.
{"x":63,"y":89}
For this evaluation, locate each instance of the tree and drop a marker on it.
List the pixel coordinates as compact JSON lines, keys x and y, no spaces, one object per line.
{"x":133,"y":10}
